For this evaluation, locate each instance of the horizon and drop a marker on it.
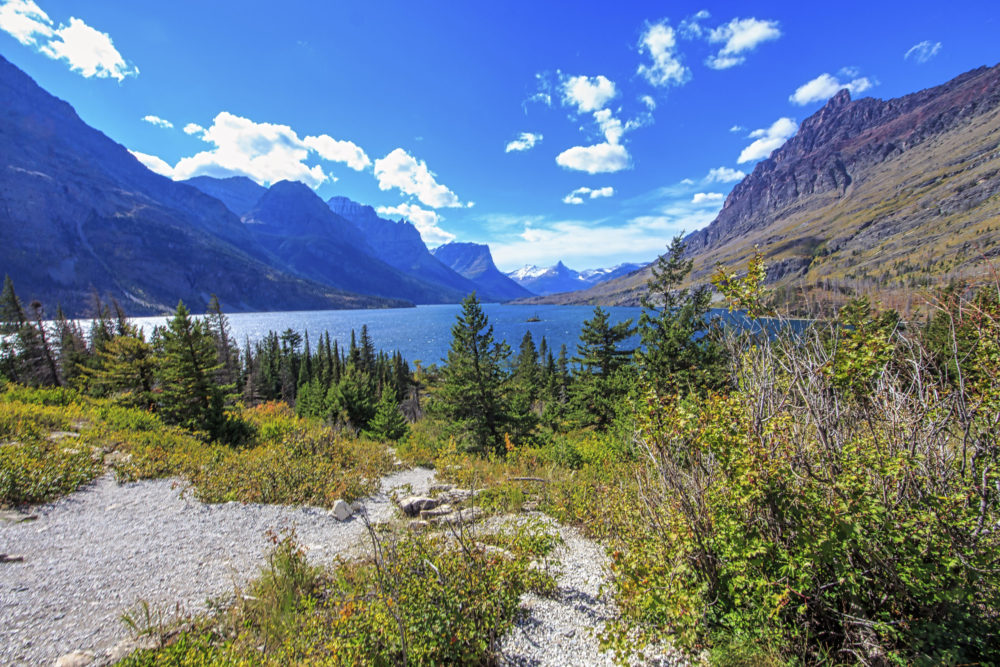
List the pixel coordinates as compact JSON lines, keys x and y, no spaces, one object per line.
{"x":594,"y":144}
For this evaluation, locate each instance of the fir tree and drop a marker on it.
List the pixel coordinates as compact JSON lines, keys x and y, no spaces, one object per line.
{"x":596,"y":389}
{"x":473,"y":392}
{"x":187,"y":363}
{"x":388,"y":422}
{"x":125,"y":368}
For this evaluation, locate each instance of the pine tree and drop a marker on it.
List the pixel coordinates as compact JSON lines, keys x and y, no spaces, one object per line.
{"x":225,"y":347}
{"x":352,"y":400}
{"x":473,"y":392}
{"x":187,"y":363}
{"x":125,"y":368}
{"x":388,"y":422}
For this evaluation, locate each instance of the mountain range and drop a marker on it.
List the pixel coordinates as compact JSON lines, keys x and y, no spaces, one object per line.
{"x":475,"y":262}
{"x":561,"y":278}
{"x":870,"y":196}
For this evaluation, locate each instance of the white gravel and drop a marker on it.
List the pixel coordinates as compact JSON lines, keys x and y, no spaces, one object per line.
{"x":563,"y":629}
{"x":94,"y":554}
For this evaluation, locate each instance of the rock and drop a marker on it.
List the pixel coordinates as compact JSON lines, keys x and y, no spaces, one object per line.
{"x":440,"y":488}
{"x":414,"y":505}
{"x":466,"y":516}
{"x":357,"y":506}
{"x":75,"y":659}
{"x":7,"y":558}
{"x":529,"y":506}
{"x":440,"y":510}
{"x":341,"y":511}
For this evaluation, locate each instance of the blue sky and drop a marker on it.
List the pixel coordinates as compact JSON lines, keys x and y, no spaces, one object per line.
{"x":584,"y":132}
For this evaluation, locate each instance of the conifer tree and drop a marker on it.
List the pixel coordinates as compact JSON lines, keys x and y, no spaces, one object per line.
{"x":681,"y":349}
{"x":388,"y":422}
{"x":473,"y":392}
{"x":225,"y":347}
{"x":596,"y":388}
{"x":187,"y":363}
{"x":125,"y":367}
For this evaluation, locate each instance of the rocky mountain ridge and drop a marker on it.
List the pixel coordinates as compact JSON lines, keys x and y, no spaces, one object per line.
{"x":475,"y":262}
{"x":561,"y":278}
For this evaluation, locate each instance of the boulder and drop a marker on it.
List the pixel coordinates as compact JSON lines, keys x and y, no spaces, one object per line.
{"x":341,"y":511}
{"x":414,"y":505}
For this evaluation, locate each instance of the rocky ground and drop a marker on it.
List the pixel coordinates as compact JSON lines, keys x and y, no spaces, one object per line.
{"x":74,"y":566}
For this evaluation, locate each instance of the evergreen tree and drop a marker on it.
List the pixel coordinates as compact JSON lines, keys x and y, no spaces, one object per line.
{"x":125,"y":368}
{"x":388,"y":422}
{"x":352,"y":400}
{"x":597,"y":389}
{"x":225,"y":347}
{"x":187,"y":363}
{"x":681,"y":349}
{"x":473,"y":392}
{"x":73,"y":353}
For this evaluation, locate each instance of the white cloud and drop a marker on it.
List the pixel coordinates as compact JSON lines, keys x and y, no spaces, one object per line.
{"x":659,"y":42}
{"x":588,"y":93}
{"x":87,"y":51}
{"x":425,"y":221}
{"x":691,"y":28}
{"x":724,"y":175}
{"x":335,"y":150}
{"x":649,"y":102}
{"x":194,"y":129}
{"x":601,"y":158}
{"x":25,"y":21}
{"x":923,"y":51}
{"x":265,"y":152}
{"x":707,"y":197}
{"x":768,"y":139}
{"x":576,"y":197}
{"x":826,"y":86}
{"x":158,"y":122}
{"x":154,"y":163}
{"x":737,"y":128}
{"x":687,"y":181}
{"x":524,"y":142}
{"x":401,"y":170}
{"x":740,"y":36}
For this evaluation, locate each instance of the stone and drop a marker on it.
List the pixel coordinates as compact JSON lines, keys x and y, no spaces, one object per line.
{"x":7,"y":558}
{"x":75,"y":659}
{"x":414,"y":505}
{"x":341,"y":511}
{"x":465,"y":516}
{"x":440,"y":510}
{"x":441,"y":488}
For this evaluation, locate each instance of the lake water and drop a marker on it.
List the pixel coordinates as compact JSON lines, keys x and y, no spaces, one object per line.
{"x":422,"y":333}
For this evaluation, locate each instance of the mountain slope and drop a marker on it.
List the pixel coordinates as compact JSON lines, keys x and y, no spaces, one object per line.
{"x":561,"y":278}
{"x":869,"y":196}
{"x":238,"y":193}
{"x":474,"y":261}
{"x":79,"y":213}
{"x":294,"y":224}
{"x":399,"y":244}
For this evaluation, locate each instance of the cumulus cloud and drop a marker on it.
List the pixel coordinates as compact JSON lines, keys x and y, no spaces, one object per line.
{"x":158,"y":122}
{"x":659,"y":42}
{"x":86,"y":50}
{"x":724,"y":175}
{"x":649,"y":102}
{"x":25,"y":21}
{"x":265,"y":152}
{"x":335,"y":150}
{"x":577,"y":196}
{"x":923,"y":51}
{"x":603,"y":158}
{"x":524,"y":142}
{"x":401,"y":170}
{"x":588,"y":93}
{"x":154,"y":163}
{"x":425,"y":221}
{"x":826,"y":86}
{"x":739,"y":37}
{"x":194,"y":129}
{"x":768,"y":139}
{"x":707,"y":197}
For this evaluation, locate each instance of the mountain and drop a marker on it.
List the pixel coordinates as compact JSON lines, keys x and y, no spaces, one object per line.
{"x":561,"y":278}
{"x":299,"y":229}
{"x":238,"y":193}
{"x":871,"y":196}
{"x":79,"y":213}
{"x":474,"y":261}
{"x":400,"y":245}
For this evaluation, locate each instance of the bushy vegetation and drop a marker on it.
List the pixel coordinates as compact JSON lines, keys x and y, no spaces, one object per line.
{"x":771,"y":494}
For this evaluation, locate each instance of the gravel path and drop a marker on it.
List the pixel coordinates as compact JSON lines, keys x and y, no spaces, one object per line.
{"x":562,"y":630}
{"x":94,"y":554}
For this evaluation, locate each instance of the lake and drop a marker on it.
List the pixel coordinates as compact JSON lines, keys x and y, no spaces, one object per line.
{"x":422,"y":333}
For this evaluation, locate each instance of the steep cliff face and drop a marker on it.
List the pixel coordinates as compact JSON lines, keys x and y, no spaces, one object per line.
{"x":79,"y":213}
{"x":869,"y":195}
{"x":475,"y":262}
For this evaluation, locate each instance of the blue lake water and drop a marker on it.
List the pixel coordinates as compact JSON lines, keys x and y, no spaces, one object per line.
{"x":422,"y":333}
